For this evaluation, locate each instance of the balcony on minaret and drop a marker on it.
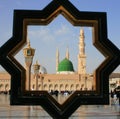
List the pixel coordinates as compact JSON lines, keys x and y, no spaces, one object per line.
{"x":36,"y":68}
{"x":28,"y":54}
{"x":28,"y":51}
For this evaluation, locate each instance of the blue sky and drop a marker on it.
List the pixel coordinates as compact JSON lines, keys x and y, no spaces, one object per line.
{"x":60,"y":33}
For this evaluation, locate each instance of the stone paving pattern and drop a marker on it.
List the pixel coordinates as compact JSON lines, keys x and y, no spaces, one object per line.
{"x":111,"y":111}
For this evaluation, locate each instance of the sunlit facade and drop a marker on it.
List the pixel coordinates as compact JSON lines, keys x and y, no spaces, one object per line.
{"x":64,"y":79}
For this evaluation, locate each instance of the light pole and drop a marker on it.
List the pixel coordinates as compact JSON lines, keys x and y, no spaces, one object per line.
{"x":36,"y":68}
{"x":41,"y":78}
{"x":28,"y":54}
{"x":85,"y":82}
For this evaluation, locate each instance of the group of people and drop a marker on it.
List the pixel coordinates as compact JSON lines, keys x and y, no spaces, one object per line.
{"x":115,"y":95}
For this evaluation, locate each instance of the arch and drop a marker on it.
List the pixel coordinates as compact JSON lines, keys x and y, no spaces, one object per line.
{"x":77,"y":87}
{"x":61,"y":87}
{"x":6,"y":87}
{"x":1,"y":85}
{"x":45,"y":87}
{"x":50,"y":87}
{"x":39,"y":87}
{"x":56,"y":87}
{"x":33,"y":87}
{"x":82,"y":86}
{"x":72,"y":87}
{"x":66,"y":87}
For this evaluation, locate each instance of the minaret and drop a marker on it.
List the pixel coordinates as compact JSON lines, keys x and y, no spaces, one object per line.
{"x":81,"y":55}
{"x":57,"y":59}
{"x":36,"y":68}
{"x":28,"y":54}
{"x":67,"y":54}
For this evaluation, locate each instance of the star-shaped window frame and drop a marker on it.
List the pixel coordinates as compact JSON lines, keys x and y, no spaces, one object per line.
{"x":23,"y":18}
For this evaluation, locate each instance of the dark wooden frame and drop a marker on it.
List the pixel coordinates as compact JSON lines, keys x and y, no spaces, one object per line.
{"x":23,"y":18}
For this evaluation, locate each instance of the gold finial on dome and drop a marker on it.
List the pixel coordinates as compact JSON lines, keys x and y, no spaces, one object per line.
{"x":36,"y":67}
{"x":67,"y":53}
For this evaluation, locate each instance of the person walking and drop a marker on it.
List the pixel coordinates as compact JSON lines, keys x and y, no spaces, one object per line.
{"x":112,"y":97}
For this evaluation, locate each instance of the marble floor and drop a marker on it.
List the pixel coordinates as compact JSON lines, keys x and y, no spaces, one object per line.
{"x":111,"y":111}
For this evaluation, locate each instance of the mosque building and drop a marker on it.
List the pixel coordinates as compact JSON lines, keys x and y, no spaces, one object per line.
{"x":65,"y":78}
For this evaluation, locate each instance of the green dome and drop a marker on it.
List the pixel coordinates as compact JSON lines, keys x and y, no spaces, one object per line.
{"x":65,"y":65}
